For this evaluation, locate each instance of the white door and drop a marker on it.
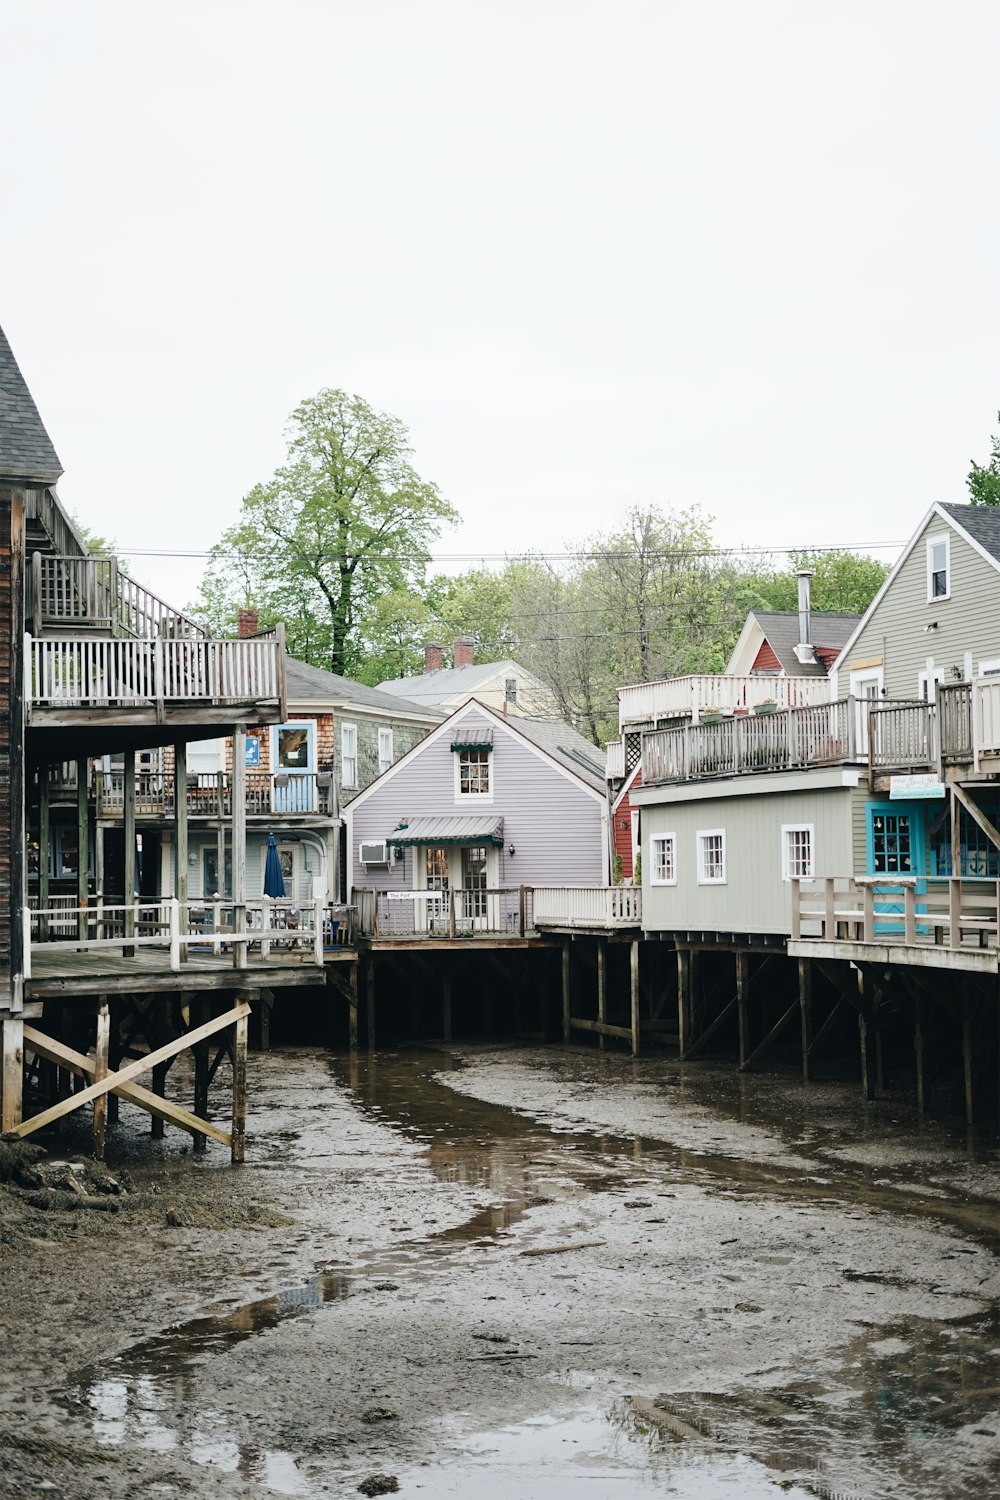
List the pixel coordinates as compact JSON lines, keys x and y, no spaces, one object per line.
{"x":866,"y":689}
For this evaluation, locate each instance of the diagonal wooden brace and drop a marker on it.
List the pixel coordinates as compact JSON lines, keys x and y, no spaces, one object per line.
{"x":113,"y":1081}
{"x":77,"y":1062}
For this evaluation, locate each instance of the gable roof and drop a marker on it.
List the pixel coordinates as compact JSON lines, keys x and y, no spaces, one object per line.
{"x":980,"y":530}
{"x":308,"y":684}
{"x":26,"y":450}
{"x":781,"y":631}
{"x":438,"y":687}
{"x":553,"y":740}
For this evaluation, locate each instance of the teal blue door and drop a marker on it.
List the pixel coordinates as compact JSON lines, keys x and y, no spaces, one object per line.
{"x":294,"y":766}
{"x":895,"y":840}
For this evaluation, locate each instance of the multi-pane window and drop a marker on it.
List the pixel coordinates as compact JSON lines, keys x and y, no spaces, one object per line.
{"x":797,"y":851}
{"x":712,"y":857}
{"x":474,"y":773}
{"x":510,"y":690}
{"x":938,"y":570}
{"x":892,"y":852}
{"x":348,"y":755}
{"x":384,"y":750}
{"x":663,"y":861}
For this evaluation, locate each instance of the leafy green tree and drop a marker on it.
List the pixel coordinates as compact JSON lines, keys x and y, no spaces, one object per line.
{"x":843,"y":583}
{"x":984,"y":479}
{"x":344,"y":524}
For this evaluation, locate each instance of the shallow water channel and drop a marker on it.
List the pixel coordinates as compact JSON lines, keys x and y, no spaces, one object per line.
{"x":558,"y":1274}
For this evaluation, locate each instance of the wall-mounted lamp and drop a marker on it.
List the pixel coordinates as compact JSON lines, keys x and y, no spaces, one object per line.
{"x":624,"y":825}
{"x":192,"y":858}
{"x":399,"y":851}
{"x":957,"y":673}
{"x":511,"y":850}
{"x":932,"y":626}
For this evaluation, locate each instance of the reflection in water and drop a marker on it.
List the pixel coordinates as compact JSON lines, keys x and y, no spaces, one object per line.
{"x":888,"y":1395}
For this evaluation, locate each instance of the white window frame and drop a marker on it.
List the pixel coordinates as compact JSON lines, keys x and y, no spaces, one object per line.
{"x":940,"y":539}
{"x":929,"y":682}
{"x":702,"y":836}
{"x":989,"y":666}
{"x":662,"y":838}
{"x":511,"y":690}
{"x":384,"y":755}
{"x":786,"y":864}
{"x":348,"y":734}
{"x":481,"y":799}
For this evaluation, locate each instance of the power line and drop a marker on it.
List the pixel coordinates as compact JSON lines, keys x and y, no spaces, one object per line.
{"x":679,"y":553}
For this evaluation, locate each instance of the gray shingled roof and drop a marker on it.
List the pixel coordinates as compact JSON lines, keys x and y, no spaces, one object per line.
{"x":982,"y":522}
{"x":26,"y":450}
{"x":781,"y":630}
{"x":565,"y":745}
{"x":437,"y":687}
{"x":306,"y":684}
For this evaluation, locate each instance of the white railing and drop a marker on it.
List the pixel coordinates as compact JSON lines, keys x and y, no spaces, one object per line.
{"x":216,"y":925}
{"x":96,"y":671}
{"x":615,"y":768}
{"x":92,"y":593}
{"x":588,"y":906}
{"x":456,"y":913}
{"x":953,"y":911}
{"x":680,"y":697}
{"x":985,"y":717}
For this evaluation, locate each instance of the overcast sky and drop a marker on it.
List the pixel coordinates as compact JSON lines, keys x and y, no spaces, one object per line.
{"x":742,"y":256}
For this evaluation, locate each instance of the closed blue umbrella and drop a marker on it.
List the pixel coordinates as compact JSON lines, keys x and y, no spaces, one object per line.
{"x":274,"y":881}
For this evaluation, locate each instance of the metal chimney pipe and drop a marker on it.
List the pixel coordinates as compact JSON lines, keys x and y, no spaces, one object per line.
{"x":804,"y":575}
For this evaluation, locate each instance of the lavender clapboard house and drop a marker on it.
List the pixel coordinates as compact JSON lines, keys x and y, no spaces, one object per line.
{"x":483,"y":804}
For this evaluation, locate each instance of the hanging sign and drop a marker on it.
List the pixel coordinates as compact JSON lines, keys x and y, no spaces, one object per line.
{"x":915,"y":788}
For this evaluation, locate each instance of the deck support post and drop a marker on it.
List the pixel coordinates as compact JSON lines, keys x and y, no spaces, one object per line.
{"x":161,"y":1035}
{"x":239,"y":843}
{"x":866,"y":1037}
{"x":44,"y":852}
{"x":352,"y":1009}
{"x":918,"y":1050}
{"x":805,"y":1008}
{"x":101,"y":1057}
{"x":565,"y":992}
{"x":742,"y":999}
{"x":128,"y":824}
{"x":446,"y":1006}
{"x":634,"y":994}
{"x":239,"y":1126}
{"x":13,"y":1071}
{"x":684,"y":1036}
{"x":602,"y":988}
{"x":199,"y":1014}
{"x":967,"y":1052}
{"x":82,"y":846}
{"x":370,"y":1002}
{"x":181,"y":838}
{"x":99,"y":892}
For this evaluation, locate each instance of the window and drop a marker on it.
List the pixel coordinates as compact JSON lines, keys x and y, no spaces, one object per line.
{"x":797,"y":851}
{"x":712,"y":856}
{"x":892,"y":848}
{"x":473,"y":773}
{"x":938,"y":568}
{"x":291,"y":747}
{"x":510,"y":690}
{"x":990,"y":667}
{"x":348,"y":755}
{"x":384,"y":750}
{"x":663,"y":861}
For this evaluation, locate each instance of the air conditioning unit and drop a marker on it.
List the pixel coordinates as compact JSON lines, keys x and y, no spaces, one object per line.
{"x":376,"y":852}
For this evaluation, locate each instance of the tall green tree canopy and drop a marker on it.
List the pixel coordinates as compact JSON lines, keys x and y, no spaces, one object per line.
{"x":984,"y":479}
{"x":337,"y":542}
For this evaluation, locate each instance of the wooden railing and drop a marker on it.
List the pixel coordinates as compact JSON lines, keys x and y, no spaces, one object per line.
{"x":817,"y":736}
{"x":901,"y":736}
{"x":217,"y":925}
{"x":210,"y":795}
{"x":588,"y":906}
{"x":679,"y":697}
{"x":504,"y":911}
{"x":93,"y":594}
{"x":955,"y":911}
{"x":96,"y":671}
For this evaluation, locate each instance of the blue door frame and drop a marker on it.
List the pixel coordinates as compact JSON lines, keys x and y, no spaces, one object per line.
{"x":898,"y":847}
{"x":295,"y":794}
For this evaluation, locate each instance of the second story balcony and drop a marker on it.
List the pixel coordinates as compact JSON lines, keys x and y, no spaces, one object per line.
{"x":826,"y":735}
{"x":646,"y":703}
{"x":277,"y":796}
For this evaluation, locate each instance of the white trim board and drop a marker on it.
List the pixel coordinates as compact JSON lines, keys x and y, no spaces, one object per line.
{"x":746,"y":786}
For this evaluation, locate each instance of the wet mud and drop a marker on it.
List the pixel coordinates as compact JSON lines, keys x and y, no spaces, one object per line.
{"x":516,"y":1273}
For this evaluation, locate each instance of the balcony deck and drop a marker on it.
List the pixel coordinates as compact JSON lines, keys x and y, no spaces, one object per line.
{"x":825,"y":735}
{"x":645,"y":703}
{"x":512,"y":914}
{"x":296,"y":795}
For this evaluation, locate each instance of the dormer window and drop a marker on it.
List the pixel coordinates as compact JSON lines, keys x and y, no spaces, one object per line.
{"x":938,"y":568}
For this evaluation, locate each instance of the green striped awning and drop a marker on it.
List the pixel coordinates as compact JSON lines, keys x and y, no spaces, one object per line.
{"x":475,"y":828}
{"x":473,"y":737}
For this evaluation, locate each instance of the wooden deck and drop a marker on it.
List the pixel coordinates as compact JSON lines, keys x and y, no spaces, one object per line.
{"x":108,"y":972}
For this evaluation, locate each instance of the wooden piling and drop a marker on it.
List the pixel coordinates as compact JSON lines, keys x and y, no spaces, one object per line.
{"x":602,"y":988}
{"x":101,"y":1059}
{"x":684,"y":1036}
{"x":128,"y":828}
{"x":82,"y":846}
{"x":370,"y":1002}
{"x":805,"y":1007}
{"x":566,"y":992}
{"x":918,"y":1051}
{"x":967,"y":1072}
{"x":634,"y":995}
{"x":239,"y":1126}
{"x":199,"y":1014}
{"x":13,"y":1071}
{"x":742,"y":999}
{"x":866,"y":1038}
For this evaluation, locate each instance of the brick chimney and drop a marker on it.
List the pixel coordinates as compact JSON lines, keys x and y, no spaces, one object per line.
{"x":247,"y":622}
{"x":465,"y":650}
{"x":433,"y":658}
